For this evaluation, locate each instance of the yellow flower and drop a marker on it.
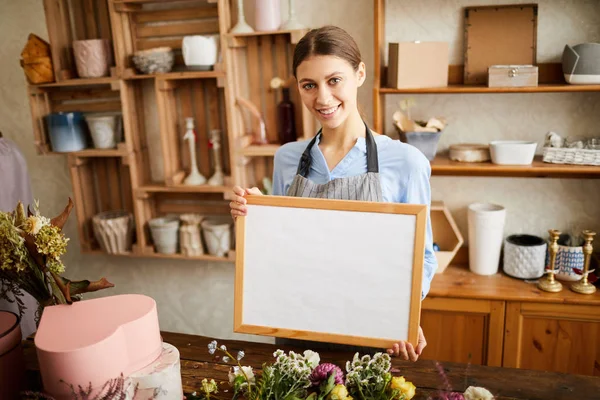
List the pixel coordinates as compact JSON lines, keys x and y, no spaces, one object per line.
{"x":406,"y":388}
{"x":339,"y":392}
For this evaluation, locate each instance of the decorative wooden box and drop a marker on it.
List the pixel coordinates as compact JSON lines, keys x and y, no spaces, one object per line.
{"x":512,"y":76}
{"x":445,"y":234}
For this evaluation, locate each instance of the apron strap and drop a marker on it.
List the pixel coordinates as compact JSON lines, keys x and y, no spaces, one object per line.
{"x":372,"y":158}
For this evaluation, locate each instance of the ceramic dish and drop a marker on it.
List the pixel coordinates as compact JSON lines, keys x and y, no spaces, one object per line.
{"x":512,"y":152}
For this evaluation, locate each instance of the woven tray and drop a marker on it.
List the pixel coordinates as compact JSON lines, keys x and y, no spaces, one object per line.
{"x":559,"y":155}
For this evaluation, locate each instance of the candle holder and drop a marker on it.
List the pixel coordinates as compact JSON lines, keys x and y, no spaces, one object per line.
{"x":241,"y":26}
{"x":195,"y":177}
{"x":292,"y":23}
{"x":584,"y":286}
{"x":549,"y":284}
{"x":215,"y":140}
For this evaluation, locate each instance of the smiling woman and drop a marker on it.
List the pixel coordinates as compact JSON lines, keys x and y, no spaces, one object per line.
{"x":349,"y":161}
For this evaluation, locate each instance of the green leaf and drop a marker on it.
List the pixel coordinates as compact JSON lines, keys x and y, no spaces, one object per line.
{"x":327,"y":386}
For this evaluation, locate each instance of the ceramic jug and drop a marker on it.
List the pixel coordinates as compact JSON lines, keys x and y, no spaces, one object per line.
{"x":200,"y":51}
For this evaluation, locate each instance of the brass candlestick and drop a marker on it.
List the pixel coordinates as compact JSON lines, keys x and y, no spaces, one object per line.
{"x":584,"y":286}
{"x":549,"y":284}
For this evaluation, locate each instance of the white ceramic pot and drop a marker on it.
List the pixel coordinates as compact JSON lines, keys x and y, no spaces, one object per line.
{"x":200,"y":52}
{"x":217,"y":233}
{"x":524,"y":256}
{"x":104,"y":129}
{"x":512,"y":152}
{"x":164,"y":232}
{"x":114,"y":231}
{"x":486,"y":232}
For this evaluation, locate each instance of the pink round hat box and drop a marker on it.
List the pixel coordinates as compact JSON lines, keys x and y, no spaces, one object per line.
{"x":93,"y":341}
{"x":12,"y":363}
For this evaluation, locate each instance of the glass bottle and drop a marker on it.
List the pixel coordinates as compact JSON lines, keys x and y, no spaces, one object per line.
{"x":286,"y":120}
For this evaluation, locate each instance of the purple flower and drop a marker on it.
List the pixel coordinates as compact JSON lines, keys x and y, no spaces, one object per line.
{"x":323,"y":371}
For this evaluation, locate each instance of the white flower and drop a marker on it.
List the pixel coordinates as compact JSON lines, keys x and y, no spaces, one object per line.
{"x":478,"y":393}
{"x":312,"y":357}
{"x":240,"y":355}
{"x":34,"y":223}
{"x":212,"y":346}
{"x":223,"y":347}
{"x":226,"y":359}
{"x":238,"y":372}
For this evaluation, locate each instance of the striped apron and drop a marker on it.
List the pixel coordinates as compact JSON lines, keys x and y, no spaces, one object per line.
{"x":365,"y":187}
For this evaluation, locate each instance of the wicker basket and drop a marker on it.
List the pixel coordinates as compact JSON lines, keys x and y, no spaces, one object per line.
{"x":561,"y":155}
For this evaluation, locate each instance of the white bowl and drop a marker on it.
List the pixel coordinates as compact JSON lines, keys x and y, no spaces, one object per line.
{"x":512,"y":152}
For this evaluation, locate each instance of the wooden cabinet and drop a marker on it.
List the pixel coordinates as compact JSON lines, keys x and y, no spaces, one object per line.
{"x":553,"y":337}
{"x":501,"y":321}
{"x":463,"y":330}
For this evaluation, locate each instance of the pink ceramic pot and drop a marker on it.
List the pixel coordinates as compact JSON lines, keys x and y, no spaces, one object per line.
{"x":12,"y":364}
{"x":93,"y":341}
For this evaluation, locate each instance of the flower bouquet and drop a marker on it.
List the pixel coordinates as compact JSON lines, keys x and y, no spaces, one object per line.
{"x":295,"y":376}
{"x":31,"y":247}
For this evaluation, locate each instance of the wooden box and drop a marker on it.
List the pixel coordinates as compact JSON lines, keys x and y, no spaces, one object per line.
{"x":505,"y":34}
{"x":512,"y":76}
{"x":418,"y":65}
{"x":445,"y":234}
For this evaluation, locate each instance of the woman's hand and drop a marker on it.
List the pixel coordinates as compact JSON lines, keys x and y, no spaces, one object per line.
{"x":238,"y":203}
{"x":407,"y":351}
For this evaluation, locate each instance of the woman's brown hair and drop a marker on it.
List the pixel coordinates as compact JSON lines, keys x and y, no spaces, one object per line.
{"x":327,"y":41}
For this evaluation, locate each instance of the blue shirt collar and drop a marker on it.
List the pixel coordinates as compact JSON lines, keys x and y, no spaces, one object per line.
{"x":361,"y":144}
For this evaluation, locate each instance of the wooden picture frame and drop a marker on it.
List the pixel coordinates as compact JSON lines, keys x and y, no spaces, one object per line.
{"x":365,"y":289}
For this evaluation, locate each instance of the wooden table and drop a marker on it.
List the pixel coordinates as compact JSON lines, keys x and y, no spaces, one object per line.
{"x":505,"y":383}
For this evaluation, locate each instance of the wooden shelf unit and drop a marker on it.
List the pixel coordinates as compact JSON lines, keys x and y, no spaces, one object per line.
{"x":74,"y":20}
{"x":158,"y":203}
{"x":99,"y":184}
{"x":550,"y":77}
{"x":99,"y":98}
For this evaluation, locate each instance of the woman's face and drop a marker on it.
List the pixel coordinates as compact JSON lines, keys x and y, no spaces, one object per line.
{"x":328,"y":86}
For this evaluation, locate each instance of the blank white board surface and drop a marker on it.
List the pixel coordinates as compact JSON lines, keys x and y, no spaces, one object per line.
{"x":307,"y":269}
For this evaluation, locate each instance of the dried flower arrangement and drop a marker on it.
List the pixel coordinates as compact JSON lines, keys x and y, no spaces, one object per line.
{"x":31,"y":246}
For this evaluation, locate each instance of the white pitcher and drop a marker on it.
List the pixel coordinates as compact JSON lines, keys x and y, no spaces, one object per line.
{"x":200,"y":50}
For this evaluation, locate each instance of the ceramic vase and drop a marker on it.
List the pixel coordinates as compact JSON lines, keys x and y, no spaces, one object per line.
{"x":114,"y":231}
{"x":190,"y":239}
{"x":12,"y":363}
{"x":217,"y":233}
{"x":105,"y":130}
{"x":92,"y":57}
{"x":164,"y":232}
{"x":67,"y":131}
{"x":486,"y":233}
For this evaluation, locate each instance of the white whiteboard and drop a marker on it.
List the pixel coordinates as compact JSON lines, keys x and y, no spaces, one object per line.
{"x":308,"y":269}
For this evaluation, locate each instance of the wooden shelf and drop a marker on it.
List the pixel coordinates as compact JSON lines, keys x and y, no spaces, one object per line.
{"x":96,"y":153}
{"x":206,"y":257}
{"x":453,"y":89}
{"x":239,"y":39}
{"x":79,"y":82}
{"x":266,"y":150}
{"x":183,"y":189}
{"x":442,"y":165}
{"x":179,"y":75}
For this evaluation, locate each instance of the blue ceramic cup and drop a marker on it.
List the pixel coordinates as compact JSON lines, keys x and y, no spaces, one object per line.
{"x":67,"y":131}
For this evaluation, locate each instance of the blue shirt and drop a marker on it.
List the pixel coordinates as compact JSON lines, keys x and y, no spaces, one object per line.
{"x":404,"y":173}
